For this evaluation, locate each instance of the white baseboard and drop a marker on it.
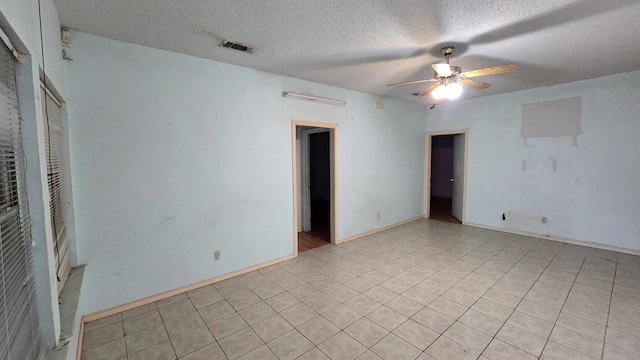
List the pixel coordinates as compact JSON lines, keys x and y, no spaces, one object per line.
{"x":380,"y":229}
{"x":559,"y":239}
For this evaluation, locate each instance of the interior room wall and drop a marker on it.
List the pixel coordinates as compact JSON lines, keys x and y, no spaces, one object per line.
{"x":586,"y":186}
{"x":442,"y":166}
{"x":174,"y":157}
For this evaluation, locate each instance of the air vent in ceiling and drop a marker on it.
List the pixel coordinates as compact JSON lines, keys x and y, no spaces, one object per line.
{"x":236,"y":46}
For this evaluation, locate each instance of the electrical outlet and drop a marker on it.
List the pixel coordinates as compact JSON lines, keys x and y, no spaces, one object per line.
{"x":378,"y":214}
{"x":216,"y":255}
{"x":544,"y":220}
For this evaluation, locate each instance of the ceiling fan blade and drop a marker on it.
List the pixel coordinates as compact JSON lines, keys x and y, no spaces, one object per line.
{"x":491,"y":70}
{"x":413,"y":82}
{"x":473,"y":84}
{"x":428,"y":90}
{"x":443,"y":70}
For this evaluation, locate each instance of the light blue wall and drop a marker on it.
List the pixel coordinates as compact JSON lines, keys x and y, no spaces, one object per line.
{"x":588,"y":190}
{"x":174,"y":157}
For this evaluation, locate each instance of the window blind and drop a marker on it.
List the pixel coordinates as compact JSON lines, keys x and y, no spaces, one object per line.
{"x":53,"y":152}
{"x":19,"y":338}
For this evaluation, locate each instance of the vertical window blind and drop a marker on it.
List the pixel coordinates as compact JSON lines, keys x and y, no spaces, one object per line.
{"x":53,"y":152}
{"x":19,"y":338}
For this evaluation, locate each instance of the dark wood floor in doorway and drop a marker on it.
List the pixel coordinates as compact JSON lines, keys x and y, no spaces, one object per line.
{"x":440,"y":209}
{"x":313,"y":239}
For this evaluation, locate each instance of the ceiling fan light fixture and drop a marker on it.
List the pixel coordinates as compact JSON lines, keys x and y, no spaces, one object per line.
{"x":439,"y":92}
{"x":453,"y":91}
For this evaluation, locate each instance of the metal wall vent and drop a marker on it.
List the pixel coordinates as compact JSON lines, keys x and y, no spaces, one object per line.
{"x":236,"y":46}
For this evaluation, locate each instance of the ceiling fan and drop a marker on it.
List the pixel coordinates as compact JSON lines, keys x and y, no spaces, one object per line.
{"x":449,"y":78}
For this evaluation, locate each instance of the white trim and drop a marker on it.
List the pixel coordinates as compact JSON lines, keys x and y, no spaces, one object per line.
{"x":306,"y":173}
{"x":7,"y":42}
{"x":375,"y":231}
{"x":559,"y":239}
{"x":427,"y":170}
{"x":333,"y":153}
{"x":313,"y":98}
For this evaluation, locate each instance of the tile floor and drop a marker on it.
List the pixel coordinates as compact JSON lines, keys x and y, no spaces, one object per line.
{"x":426,"y":290}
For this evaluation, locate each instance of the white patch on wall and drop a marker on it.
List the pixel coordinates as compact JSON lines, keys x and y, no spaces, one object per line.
{"x":552,"y":119}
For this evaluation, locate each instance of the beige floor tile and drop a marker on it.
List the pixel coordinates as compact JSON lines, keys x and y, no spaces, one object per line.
{"x":359,"y":284}
{"x":243,"y":300}
{"x":387,"y":318}
{"x":313,"y":354}
{"x":191,"y":340}
{"x":298,"y":314}
{"x":102,"y":335}
{"x":304,"y":292}
{"x":447,"y":307}
{"x":233,"y":290}
{"x":171,"y":300}
{"x":538,"y":311}
{"x":444,"y":348}
{"x":161,"y":351}
{"x":366,"y":332}
{"x":321,"y":303}
{"x":624,"y":339}
{"x":215,"y":311}
{"x":522,"y":339}
{"x":139,"y":310}
{"x":585,"y":312}
{"x":268,"y":291}
{"x":341,"y":347}
{"x":318,"y":329}
{"x":502,"y":298}
{"x":420,"y":295}
{"x":290,"y":345}
{"x":272,"y":327}
{"x":225,"y":326}
{"x":261,"y":353}
{"x":405,"y":306}
{"x":257,"y":312}
{"x":369,"y":355}
{"x":146,"y":338}
{"x":481,"y":322}
{"x":102,"y":322}
{"x":183,"y":323}
{"x":612,"y":352}
{"x":206,"y":299}
{"x":555,"y":351}
{"x":282,"y":301}
{"x":393,"y":347}
{"x":416,"y":334}
{"x":433,"y":320}
{"x":460,"y":297}
{"x":582,"y":326}
{"x":113,"y":350}
{"x":240,"y":343}
{"x":362,"y":304}
{"x":342,"y":316}
{"x":468,"y":337}
{"x":209,"y":352}
{"x":499,"y":350}
{"x":380,"y":294}
{"x":342,"y":293}
{"x":492,"y":309}
{"x":577,"y":341}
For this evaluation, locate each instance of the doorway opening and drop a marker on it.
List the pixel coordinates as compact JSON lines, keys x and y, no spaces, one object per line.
{"x":314,"y":184}
{"x":445,"y":192}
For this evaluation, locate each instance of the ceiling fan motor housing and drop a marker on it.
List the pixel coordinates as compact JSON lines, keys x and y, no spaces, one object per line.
{"x":455,"y":70}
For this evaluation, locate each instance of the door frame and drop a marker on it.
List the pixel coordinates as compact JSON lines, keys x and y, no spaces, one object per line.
{"x":427,"y":174}
{"x":333,"y":158}
{"x":306,"y":175}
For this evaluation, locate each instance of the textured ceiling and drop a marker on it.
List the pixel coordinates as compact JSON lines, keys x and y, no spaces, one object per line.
{"x":364,"y":45}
